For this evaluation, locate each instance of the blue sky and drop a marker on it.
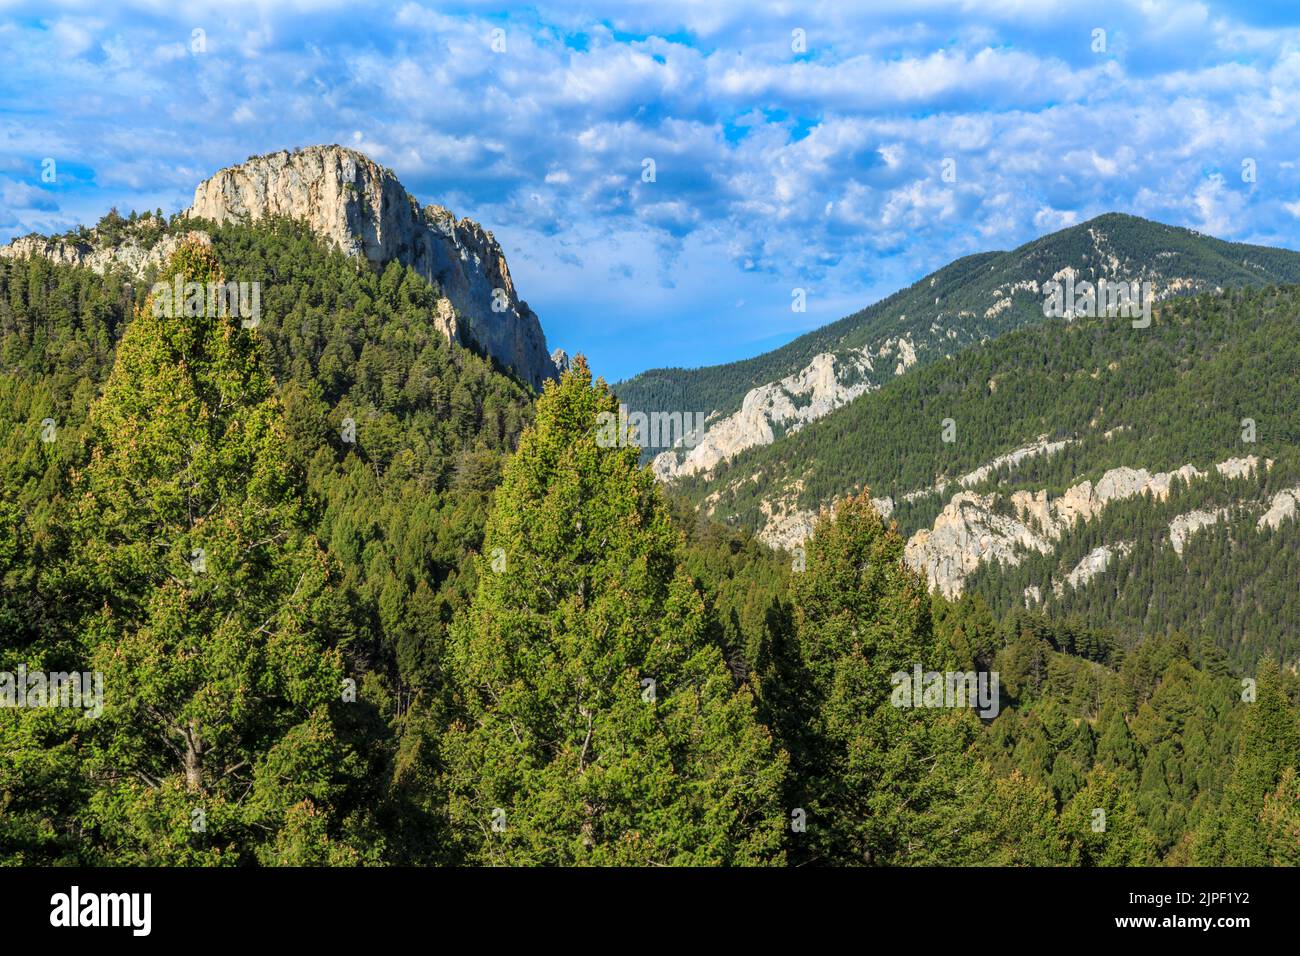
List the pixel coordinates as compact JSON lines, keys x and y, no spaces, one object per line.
{"x":778,"y":164}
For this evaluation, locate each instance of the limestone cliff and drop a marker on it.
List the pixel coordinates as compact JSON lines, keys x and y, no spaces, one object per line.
{"x":972,"y":530}
{"x":132,"y":254}
{"x":348,"y":199}
{"x":769,"y":411}
{"x":351,"y":201}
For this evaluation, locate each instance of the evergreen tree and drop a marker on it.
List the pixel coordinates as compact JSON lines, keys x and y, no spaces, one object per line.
{"x":1115,"y":749}
{"x":600,"y":726}
{"x":1015,"y":824}
{"x":1280,"y":822}
{"x":880,"y":783}
{"x":1104,"y":828}
{"x":1269,"y":747}
{"x":210,"y":607}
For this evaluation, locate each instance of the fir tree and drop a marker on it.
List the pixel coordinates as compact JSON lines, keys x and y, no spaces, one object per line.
{"x":1015,"y":824}
{"x":880,"y":783}
{"x":1280,"y":822}
{"x":211,"y":611}
{"x":1104,"y":828}
{"x":600,"y":726}
{"x":1269,"y":747}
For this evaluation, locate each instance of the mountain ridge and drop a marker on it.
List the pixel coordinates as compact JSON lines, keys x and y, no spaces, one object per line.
{"x":1069,"y":465}
{"x":968,"y":301}
{"x":350,"y":200}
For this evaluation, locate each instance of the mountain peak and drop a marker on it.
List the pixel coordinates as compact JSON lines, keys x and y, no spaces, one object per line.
{"x":757,"y":401}
{"x":352,"y":201}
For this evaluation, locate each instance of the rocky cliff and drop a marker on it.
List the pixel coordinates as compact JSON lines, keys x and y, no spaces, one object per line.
{"x":779,"y":408}
{"x":971,"y":530}
{"x":132,"y":254}
{"x":348,"y":199}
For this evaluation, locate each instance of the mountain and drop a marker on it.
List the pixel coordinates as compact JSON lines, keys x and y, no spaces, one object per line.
{"x":350,"y":201}
{"x":972,"y":300}
{"x":1142,"y":477}
{"x":383,"y":442}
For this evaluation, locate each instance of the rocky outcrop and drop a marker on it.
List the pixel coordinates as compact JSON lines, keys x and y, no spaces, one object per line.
{"x":968,"y":532}
{"x":1184,"y":526}
{"x":134,"y":254}
{"x":816,"y":390}
{"x":1240,"y":467}
{"x":972,"y":528}
{"x":1094,"y":563}
{"x":348,"y":200}
{"x":787,"y":527}
{"x":1281,"y":508}
{"x":1040,"y":446}
{"x":353,"y":202}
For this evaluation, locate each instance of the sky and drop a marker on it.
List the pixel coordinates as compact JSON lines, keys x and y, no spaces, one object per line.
{"x":664,"y":175}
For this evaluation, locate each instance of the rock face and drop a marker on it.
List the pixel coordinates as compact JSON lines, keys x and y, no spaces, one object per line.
{"x":353,"y":202}
{"x":348,"y":199}
{"x":130,"y":255}
{"x":816,"y":390}
{"x":1040,"y":446}
{"x":968,"y":532}
{"x":1281,"y":508}
{"x":787,"y":527}
{"x":1093,"y":563}
{"x":1184,"y":526}
{"x":971,"y":529}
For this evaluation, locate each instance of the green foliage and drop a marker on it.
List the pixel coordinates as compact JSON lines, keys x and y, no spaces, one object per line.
{"x":209,"y":607}
{"x":879,"y":782}
{"x":398,"y":510}
{"x":522,"y":688}
{"x":1103,"y":827}
{"x":1157,"y":398}
{"x":1280,"y":822}
{"x":1015,"y":824}
{"x":564,"y":753}
{"x":1254,"y":812}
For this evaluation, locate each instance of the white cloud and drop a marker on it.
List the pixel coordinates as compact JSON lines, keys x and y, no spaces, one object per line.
{"x":773,"y":169}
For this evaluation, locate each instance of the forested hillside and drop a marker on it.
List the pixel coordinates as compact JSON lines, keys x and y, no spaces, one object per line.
{"x":1212,"y":381}
{"x":356,"y":599}
{"x":398,"y":503}
{"x":980,"y":297}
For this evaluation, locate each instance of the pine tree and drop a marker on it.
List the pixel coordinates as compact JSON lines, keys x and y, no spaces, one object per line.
{"x":1103,"y":827}
{"x":1015,"y":824}
{"x":599,"y":725}
{"x":1115,"y":749}
{"x":880,"y":783}
{"x":1280,"y":822}
{"x":211,"y":611}
{"x":1269,"y":746}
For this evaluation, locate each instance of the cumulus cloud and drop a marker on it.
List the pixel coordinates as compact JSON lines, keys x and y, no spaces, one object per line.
{"x":776,"y":164}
